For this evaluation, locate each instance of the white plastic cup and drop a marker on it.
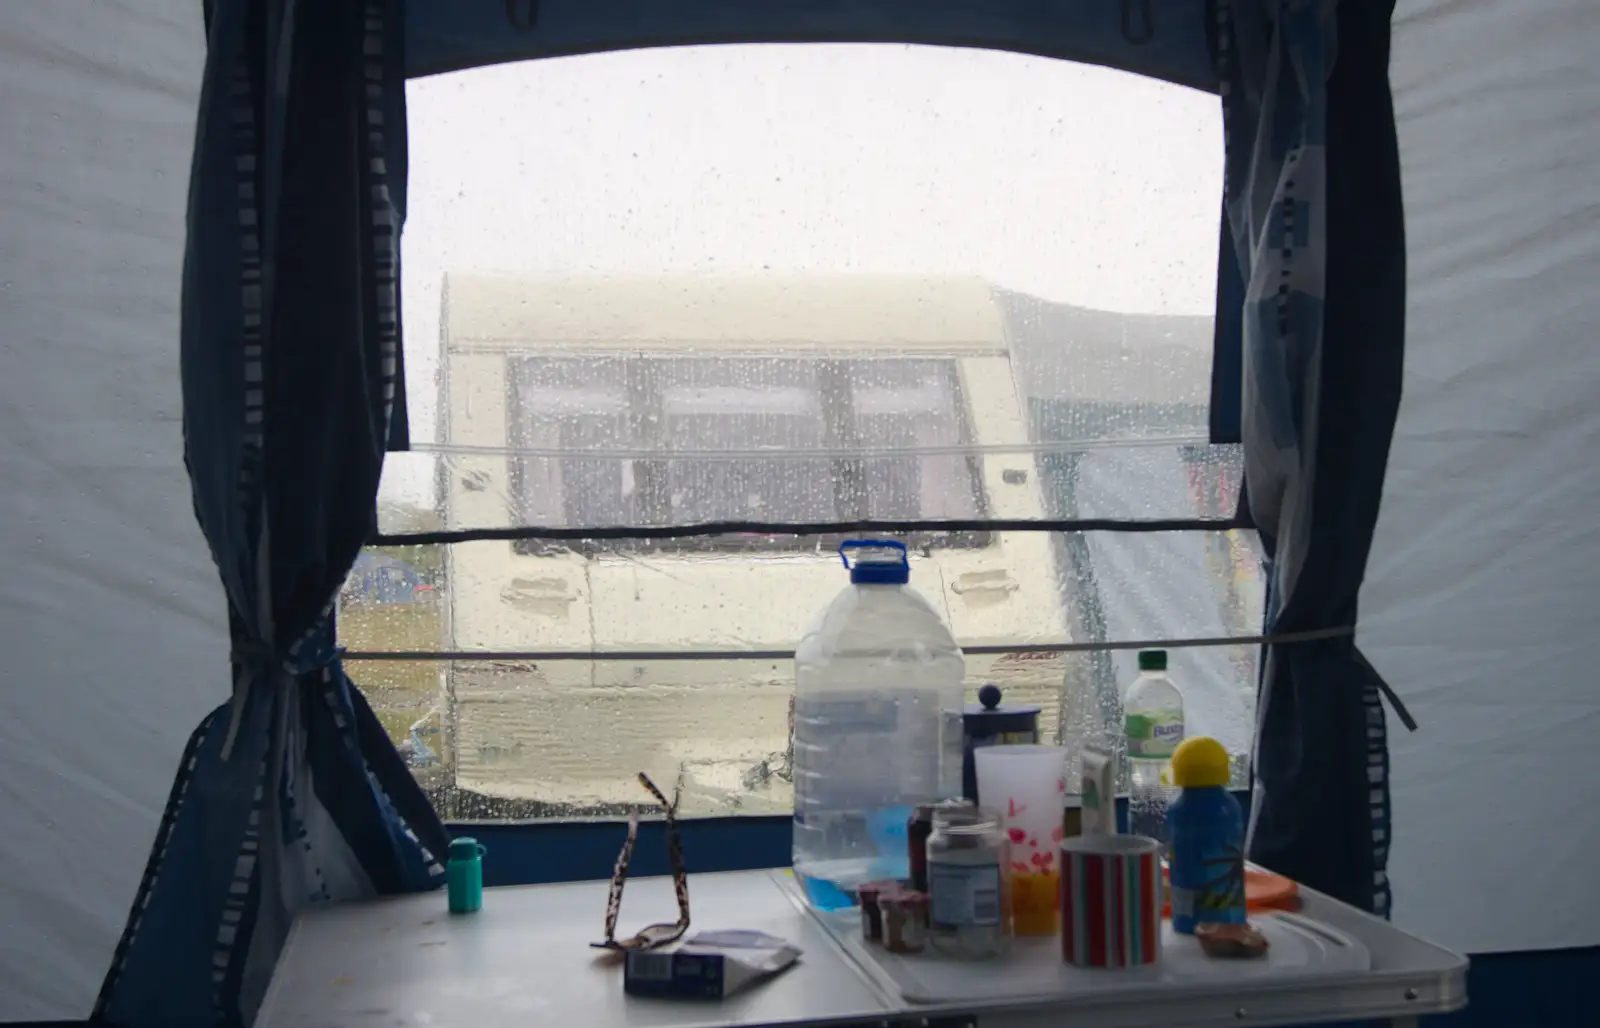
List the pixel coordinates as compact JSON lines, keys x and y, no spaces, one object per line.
{"x":1027,"y":786}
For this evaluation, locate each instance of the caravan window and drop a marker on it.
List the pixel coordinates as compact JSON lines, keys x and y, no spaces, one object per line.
{"x":664,"y":440}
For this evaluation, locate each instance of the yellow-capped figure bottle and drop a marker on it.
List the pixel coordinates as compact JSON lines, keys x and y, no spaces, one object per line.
{"x":1206,"y":827}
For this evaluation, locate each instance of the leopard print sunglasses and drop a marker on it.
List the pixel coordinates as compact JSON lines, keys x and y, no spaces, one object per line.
{"x":653,"y":935}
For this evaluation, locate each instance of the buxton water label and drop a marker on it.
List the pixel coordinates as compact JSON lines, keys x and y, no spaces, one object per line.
{"x":1153,"y":735}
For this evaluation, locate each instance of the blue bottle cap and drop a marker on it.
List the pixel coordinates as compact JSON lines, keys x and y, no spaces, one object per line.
{"x":885,"y":563}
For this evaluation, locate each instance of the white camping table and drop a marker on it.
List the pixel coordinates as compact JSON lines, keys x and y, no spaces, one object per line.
{"x":524,"y":961}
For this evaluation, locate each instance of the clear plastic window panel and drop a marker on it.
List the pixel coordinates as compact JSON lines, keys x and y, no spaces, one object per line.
{"x":551,"y":731}
{"x":788,"y":284}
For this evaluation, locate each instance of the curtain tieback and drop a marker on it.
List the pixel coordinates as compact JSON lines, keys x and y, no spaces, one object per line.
{"x":258,"y":661}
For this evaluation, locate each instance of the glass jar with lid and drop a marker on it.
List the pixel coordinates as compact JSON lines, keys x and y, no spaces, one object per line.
{"x":969,"y":886}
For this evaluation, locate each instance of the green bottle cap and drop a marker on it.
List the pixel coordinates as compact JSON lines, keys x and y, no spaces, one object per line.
{"x":1152,"y":660}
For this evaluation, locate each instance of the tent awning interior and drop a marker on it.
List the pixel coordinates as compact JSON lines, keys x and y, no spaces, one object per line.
{"x":1475,"y":603}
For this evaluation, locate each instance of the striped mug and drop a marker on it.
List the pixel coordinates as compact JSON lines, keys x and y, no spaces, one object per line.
{"x":1110,"y":901}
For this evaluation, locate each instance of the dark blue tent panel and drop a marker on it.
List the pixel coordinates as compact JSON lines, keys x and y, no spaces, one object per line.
{"x":1164,"y":39}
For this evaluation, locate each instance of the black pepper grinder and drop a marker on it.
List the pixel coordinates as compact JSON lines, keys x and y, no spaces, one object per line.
{"x":987,"y":723}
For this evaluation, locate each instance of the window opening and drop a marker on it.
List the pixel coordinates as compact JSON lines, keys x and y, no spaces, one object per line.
{"x":777,"y":285}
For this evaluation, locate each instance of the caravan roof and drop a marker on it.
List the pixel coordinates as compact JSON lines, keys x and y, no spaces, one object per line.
{"x":807,"y":312}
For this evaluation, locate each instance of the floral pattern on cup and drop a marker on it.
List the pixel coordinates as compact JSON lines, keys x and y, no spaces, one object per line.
{"x":1034,"y":856}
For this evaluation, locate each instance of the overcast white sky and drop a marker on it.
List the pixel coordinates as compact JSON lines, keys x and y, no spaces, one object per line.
{"x":1073,"y":183}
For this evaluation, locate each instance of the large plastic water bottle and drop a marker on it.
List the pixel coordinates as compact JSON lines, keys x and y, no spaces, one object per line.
{"x":877,"y":725}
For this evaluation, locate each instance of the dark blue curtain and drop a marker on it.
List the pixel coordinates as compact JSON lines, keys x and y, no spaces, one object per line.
{"x":291,"y":793}
{"x":1316,"y":294}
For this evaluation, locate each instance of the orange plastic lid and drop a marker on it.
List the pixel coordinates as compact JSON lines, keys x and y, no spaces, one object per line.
{"x":1263,"y":890}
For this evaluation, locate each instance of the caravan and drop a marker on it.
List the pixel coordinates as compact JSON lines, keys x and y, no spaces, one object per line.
{"x":751,"y":401}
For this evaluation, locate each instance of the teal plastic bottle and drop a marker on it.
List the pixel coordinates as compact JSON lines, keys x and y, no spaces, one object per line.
{"x":463,"y":875}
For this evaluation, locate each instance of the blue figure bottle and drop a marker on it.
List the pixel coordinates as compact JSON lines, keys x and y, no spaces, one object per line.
{"x":1206,"y":827}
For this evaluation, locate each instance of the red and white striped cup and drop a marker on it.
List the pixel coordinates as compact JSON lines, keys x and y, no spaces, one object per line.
{"x":1110,"y":901}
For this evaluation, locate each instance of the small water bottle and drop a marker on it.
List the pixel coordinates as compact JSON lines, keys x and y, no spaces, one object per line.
{"x":1206,"y":827}
{"x":1153,"y":721}
{"x":463,"y":875}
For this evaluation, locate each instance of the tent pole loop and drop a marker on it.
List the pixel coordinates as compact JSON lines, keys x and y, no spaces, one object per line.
{"x":1138,"y":27}
{"x":523,"y":14}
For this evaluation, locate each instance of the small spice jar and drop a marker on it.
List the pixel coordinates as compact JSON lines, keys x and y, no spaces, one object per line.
{"x":870,"y":898}
{"x":915,"y":907}
{"x":969,"y":868}
{"x":904,"y":915}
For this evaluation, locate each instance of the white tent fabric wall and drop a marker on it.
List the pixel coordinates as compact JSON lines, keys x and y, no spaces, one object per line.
{"x":1477,"y":605}
{"x":1479,"y":599}
{"x":113,"y":632}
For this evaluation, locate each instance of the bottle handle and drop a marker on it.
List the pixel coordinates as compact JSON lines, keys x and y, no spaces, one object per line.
{"x":872,"y":544}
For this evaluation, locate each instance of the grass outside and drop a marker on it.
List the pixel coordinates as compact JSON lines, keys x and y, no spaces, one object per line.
{"x":400,"y":691}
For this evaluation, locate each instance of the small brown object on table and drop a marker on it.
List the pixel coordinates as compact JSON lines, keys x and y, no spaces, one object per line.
{"x":1230,"y":941}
